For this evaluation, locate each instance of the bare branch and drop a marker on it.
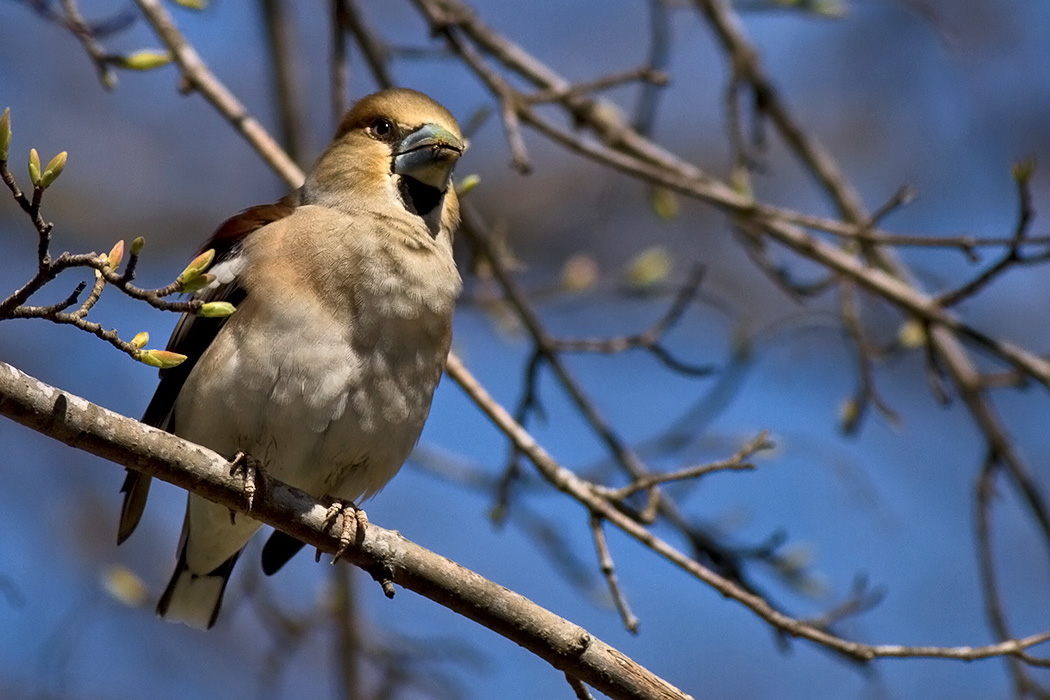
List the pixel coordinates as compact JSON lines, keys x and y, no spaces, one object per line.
{"x":94,"y":429}
{"x":280,"y":33}
{"x":608,"y":568}
{"x":642,"y":74}
{"x":735,"y":463}
{"x":340,"y":70}
{"x":650,"y":339}
{"x":567,"y":482}
{"x":376,"y":53}
{"x":578,"y":687}
{"x":1012,"y":257}
{"x":86,"y":36}
{"x":197,"y":77}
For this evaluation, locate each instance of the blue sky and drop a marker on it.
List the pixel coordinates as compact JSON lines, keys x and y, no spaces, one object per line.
{"x":943,"y":98}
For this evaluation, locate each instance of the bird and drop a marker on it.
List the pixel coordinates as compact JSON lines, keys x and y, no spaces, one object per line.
{"x":344,"y":292}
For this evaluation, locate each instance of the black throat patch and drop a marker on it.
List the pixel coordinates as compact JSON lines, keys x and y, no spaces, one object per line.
{"x":418,"y":198}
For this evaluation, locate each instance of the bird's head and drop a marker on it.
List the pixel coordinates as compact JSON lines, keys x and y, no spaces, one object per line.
{"x":397,"y":140}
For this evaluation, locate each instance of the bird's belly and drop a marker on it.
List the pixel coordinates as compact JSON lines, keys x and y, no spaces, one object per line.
{"x":316,"y":412}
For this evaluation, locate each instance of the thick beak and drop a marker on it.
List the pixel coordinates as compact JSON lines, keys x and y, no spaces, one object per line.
{"x":428,"y":154}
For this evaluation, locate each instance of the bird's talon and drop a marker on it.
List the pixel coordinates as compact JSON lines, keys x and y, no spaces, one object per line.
{"x":249,"y":469}
{"x":345,"y":510}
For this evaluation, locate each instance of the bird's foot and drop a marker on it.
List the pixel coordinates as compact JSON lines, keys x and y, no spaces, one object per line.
{"x":250,"y":471}
{"x":347,"y":534}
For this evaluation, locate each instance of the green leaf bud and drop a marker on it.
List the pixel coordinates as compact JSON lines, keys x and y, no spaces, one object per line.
{"x":5,"y":134}
{"x":164,"y":359}
{"x":116,"y":255}
{"x":195,"y":268}
{"x":216,"y":309}
{"x":53,"y":170}
{"x":144,"y":60}
{"x":34,"y":167}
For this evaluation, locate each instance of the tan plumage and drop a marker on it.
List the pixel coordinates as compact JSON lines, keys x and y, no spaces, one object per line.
{"x":325,"y":373}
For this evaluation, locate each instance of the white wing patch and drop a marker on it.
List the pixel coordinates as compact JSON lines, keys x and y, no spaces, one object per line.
{"x":226,"y":271}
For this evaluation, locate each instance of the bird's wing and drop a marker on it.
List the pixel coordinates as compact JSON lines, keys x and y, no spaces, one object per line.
{"x":192,"y":336}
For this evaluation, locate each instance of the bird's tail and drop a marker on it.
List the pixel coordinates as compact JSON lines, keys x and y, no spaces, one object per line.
{"x":195,"y":599}
{"x":135,"y":490}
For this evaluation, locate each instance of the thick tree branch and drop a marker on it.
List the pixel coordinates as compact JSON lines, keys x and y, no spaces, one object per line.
{"x":383,"y":553}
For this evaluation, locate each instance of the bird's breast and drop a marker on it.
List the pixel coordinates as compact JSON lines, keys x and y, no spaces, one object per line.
{"x":330,"y":392}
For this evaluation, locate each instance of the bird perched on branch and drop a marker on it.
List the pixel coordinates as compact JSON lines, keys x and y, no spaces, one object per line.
{"x":324,"y":375}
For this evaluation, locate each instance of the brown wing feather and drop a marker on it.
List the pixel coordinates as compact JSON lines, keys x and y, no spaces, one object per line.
{"x":191,"y":337}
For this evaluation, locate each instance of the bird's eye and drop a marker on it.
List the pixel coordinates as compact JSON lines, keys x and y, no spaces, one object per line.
{"x":381,"y":127}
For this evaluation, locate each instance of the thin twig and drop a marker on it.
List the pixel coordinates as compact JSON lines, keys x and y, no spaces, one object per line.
{"x":376,"y":53}
{"x":758,"y":252}
{"x":579,"y":688}
{"x":1012,"y":256}
{"x":641,"y":74}
{"x":508,"y":108}
{"x":867,"y":394}
{"x":985,"y":493}
{"x":340,"y":71}
{"x":605,"y":561}
{"x":737,"y":462}
{"x":860,"y":600}
{"x":528,"y":404}
{"x":347,"y":621}
{"x":567,"y":482}
{"x":84,"y":34}
{"x":659,"y":61}
{"x":650,"y":339}
{"x":197,"y":77}
{"x":279,"y":20}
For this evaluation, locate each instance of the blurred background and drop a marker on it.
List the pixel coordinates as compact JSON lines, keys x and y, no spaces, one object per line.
{"x":941,"y":95}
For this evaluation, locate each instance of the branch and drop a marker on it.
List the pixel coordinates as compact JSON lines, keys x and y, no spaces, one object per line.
{"x":196,"y":76}
{"x":383,"y":553}
{"x":1013,"y":255}
{"x":649,"y":340}
{"x":104,"y":267}
{"x":86,"y":36}
{"x":630,"y":621}
{"x":736,"y":462}
{"x":567,"y":482}
{"x":877,"y":271}
{"x":389,"y":556}
{"x":375,"y":51}
{"x":624,"y":149}
{"x":281,"y":35}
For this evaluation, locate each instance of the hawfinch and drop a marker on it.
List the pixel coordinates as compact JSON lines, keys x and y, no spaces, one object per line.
{"x":324,"y":375}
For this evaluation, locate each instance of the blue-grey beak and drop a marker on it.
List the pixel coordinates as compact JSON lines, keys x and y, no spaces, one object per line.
{"x":428,"y":154}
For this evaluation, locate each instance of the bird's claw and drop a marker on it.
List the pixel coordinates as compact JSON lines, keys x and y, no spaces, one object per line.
{"x":249,"y":469}
{"x":347,"y":534}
